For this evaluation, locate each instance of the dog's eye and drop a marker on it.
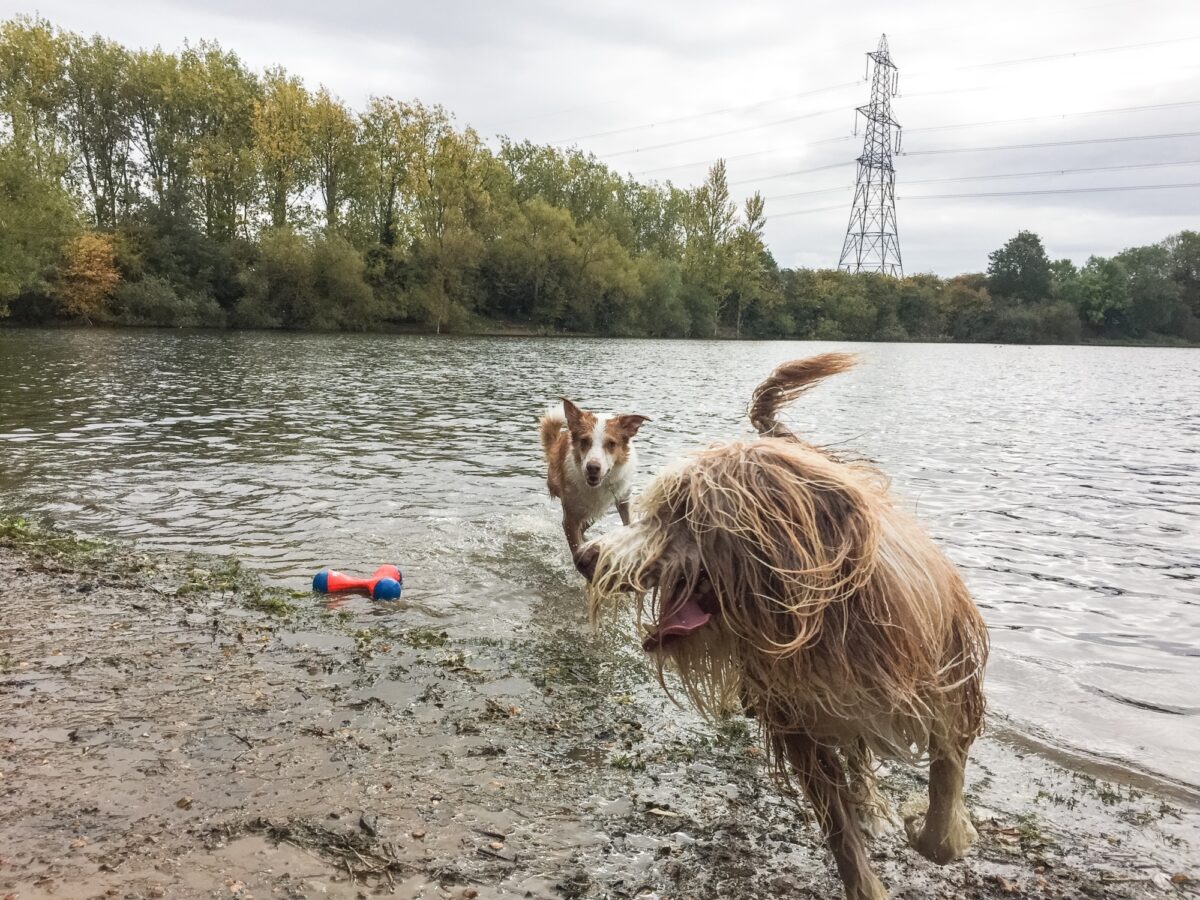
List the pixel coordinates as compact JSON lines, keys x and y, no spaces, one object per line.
{"x":585,"y":443}
{"x":610,"y":445}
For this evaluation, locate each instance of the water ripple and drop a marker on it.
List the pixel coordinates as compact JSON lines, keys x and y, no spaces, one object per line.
{"x":1063,"y":480}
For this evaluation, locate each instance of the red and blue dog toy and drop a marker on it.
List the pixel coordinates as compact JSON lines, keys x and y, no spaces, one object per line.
{"x":385,"y":583}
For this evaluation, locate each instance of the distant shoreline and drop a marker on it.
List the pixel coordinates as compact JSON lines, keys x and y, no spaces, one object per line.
{"x":518,"y":331}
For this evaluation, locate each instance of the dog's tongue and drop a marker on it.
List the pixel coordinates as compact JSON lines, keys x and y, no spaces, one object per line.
{"x":682,"y":621}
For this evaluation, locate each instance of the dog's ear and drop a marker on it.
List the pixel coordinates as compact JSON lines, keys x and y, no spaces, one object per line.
{"x":630,"y":423}
{"x":574,"y":415}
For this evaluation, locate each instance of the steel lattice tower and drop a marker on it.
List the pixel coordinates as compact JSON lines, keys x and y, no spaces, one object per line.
{"x":872,"y":241}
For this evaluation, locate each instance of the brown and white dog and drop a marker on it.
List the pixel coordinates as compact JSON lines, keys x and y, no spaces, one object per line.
{"x":776,"y":578}
{"x":590,"y":464}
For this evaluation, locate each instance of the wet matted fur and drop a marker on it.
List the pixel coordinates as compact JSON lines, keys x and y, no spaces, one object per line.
{"x":776,"y":578}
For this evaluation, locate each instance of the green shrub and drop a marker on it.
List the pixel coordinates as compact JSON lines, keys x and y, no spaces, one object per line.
{"x":153,"y":301}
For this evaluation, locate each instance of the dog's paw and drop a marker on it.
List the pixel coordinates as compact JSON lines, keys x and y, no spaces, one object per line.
{"x":941,"y":845}
{"x":870,"y":888}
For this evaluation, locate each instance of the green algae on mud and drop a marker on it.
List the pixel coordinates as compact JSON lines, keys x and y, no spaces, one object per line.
{"x":164,"y":732}
{"x":97,"y":559}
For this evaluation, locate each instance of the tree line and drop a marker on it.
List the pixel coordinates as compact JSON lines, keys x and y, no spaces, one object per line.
{"x":147,"y":187}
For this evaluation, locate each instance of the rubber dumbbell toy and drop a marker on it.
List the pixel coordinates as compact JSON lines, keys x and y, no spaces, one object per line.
{"x":385,"y":583}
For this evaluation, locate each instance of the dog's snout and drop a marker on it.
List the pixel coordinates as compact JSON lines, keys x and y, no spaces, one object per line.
{"x":593,"y":467}
{"x":585,"y":560}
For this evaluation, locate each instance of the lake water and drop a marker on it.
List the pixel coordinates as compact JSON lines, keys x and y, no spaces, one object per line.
{"x":1064,"y":481}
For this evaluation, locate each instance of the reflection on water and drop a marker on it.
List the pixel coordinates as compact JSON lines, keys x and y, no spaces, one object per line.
{"x":1062,"y":479}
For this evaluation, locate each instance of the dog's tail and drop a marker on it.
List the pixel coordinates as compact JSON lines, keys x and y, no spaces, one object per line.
{"x":551,"y":425}
{"x":788,"y":382}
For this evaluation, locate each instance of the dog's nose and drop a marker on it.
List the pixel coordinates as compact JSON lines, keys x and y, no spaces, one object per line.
{"x":585,"y":560}
{"x":593,"y":468}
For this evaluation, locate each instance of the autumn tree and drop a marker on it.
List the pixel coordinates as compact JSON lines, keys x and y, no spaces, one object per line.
{"x":224,"y":172}
{"x":281,"y":141}
{"x":33,"y":89}
{"x":87,"y":276}
{"x":98,"y":119}
{"x":451,"y":209}
{"x":163,"y":108}
{"x":333,"y":144}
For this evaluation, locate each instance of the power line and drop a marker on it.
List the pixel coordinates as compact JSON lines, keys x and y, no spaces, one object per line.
{"x":709,"y":161}
{"x":947,"y":127}
{"x":1083,"y":190}
{"x":754,"y":105}
{"x":930,"y":128}
{"x":831,"y":190}
{"x":1056,"y":116}
{"x":1086,"y":190}
{"x":716,"y":134}
{"x":791,"y":173}
{"x":1053,"y":56}
{"x":805,"y":212}
{"x":1153,"y":165}
{"x":1042,"y":173}
{"x":1106,"y":140}
{"x":836,"y":165}
{"x":711,"y":112}
{"x":764,"y":102}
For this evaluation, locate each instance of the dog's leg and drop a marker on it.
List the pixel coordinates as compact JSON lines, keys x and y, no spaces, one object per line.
{"x":573,"y":529}
{"x":947,"y":833}
{"x":823,"y":779}
{"x":623,"y":511}
{"x":875,"y":816}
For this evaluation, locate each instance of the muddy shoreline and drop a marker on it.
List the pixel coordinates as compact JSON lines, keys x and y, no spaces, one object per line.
{"x":171,"y":728}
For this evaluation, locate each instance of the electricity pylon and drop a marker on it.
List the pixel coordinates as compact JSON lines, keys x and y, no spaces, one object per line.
{"x":872,"y":241}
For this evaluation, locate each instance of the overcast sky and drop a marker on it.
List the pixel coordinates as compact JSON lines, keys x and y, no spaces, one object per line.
{"x":771,"y":86}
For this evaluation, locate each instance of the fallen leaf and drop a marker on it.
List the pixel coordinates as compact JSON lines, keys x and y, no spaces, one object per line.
{"x":184,"y":802}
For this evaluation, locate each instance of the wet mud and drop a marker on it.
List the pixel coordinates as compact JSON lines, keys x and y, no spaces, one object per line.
{"x":171,"y":728}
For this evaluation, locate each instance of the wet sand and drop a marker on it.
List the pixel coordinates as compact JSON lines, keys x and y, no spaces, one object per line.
{"x":170,"y":728}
